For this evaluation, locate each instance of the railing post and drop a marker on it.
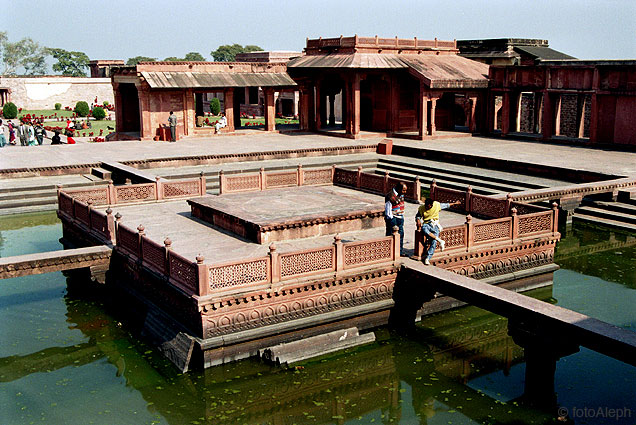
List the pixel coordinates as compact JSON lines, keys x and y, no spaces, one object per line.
{"x":359,"y":176}
{"x":111,"y":193}
{"x":159,"y":188}
{"x":274,"y":261}
{"x":417,"y":191}
{"x":59,"y":190}
{"x":117,"y":223}
{"x":469,"y":231}
{"x":508,"y":202}
{"x":202,"y":184}
{"x":300,"y":175}
{"x":385,"y":186}
{"x":333,"y":173}
{"x":89,"y":205}
{"x":339,"y":252}
{"x":221,"y":182}
{"x":555,"y":217}
{"x":204,"y":277}
{"x":140,"y":232}
{"x":396,"y":243}
{"x":167,"y":246}
{"x":469,"y":194}
{"x":110,"y":224}
{"x":432,"y":190}
{"x":419,"y":242}
{"x":515,"y":224}
{"x":261,"y":178}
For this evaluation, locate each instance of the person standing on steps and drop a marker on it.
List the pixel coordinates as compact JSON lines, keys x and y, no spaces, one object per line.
{"x":172,"y":121}
{"x":427,"y":219}
{"x":394,"y":212}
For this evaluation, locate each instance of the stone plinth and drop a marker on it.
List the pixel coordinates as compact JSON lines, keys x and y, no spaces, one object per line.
{"x":290,"y":213}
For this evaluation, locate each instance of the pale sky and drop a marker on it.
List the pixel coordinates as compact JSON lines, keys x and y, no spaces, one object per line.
{"x":117,"y":29}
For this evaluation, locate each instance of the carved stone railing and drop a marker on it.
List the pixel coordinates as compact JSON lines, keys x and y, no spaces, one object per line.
{"x":374,"y":183}
{"x":274,"y":179}
{"x":100,"y":223}
{"x":380,"y":43}
{"x":144,"y":192}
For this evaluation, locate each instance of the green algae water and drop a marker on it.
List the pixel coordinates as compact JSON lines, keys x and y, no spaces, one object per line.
{"x":65,"y":359}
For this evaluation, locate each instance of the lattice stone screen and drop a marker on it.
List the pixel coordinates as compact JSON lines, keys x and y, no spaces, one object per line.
{"x":368,"y":252}
{"x":237,"y":274}
{"x":136,"y":193}
{"x":492,"y":230}
{"x":306,"y":262}
{"x":178,"y":189}
{"x":538,"y":222}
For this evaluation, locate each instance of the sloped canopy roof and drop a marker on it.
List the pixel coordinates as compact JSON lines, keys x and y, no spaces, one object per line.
{"x":183,"y":80}
{"x":543,"y":53}
{"x":437,"y":71}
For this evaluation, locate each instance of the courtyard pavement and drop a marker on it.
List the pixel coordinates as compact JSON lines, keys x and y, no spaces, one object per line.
{"x":572,"y":157}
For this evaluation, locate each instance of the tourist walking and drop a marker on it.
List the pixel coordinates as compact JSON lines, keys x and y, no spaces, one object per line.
{"x":172,"y":121}
{"x":23,"y":134}
{"x":427,"y":220}
{"x":11,"y":133}
{"x":3,"y":134}
{"x":31,"y":133}
{"x":394,"y":212}
{"x":40,"y":134}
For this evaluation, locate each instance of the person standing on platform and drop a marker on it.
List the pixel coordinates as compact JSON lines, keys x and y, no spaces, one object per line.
{"x":394,"y":212}
{"x":427,"y":218}
{"x":172,"y":121}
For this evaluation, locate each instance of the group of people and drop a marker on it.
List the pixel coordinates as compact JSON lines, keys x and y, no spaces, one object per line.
{"x":29,"y":134}
{"x":427,"y":218}
{"x":172,"y":123}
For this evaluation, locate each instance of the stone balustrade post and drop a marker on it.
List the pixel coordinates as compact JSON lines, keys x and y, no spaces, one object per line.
{"x":469,"y":195}
{"x":417,"y":190}
{"x":58,"y":188}
{"x":222,"y":182}
{"x":203,"y":277}
{"x":419,"y":241}
{"x":167,"y":247}
{"x":274,"y":262}
{"x":159,"y":188}
{"x":555,"y":217}
{"x":515,"y":224}
{"x":117,"y":223}
{"x":339,"y":252}
{"x":300,"y":175}
{"x":202,"y":184}
{"x":141,"y":231}
{"x":469,"y":232}
{"x":359,"y":176}
{"x":333,"y":173}
{"x":432,"y":190}
{"x":396,"y":243}
{"x":110,"y":224}
{"x":261,"y":179}
{"x":386,"y":187}
{"x":509,"y":201}
{"x":111,"y":193}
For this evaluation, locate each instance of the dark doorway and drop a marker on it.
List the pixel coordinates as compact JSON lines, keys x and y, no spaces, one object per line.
{"x":374,"y":100}
{"x":129,"y":108}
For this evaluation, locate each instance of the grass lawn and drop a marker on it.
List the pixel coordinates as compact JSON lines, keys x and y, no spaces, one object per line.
{"x":96,"y":127}
{"x":45,"y":112}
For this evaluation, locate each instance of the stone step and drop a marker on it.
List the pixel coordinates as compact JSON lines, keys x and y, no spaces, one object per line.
{"x":599,"y":221}
{"x":441,"y":182}
{"x":307,"y":348}
{"x":27,"y":194}
{"x":102,"y":173}
{"x":606,"y":214}
{"x":438,"y":175}
{"x":28,"y":209}
{"x":627,"y":196}
{"x":621,"y":207}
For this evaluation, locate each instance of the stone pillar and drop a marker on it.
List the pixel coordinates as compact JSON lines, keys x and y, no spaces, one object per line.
{"x":188,"y":112}
{"x":547,"y":122}
{"x":580,"y":115}
{"x":228,"y":101}
{"x":594,"y":108}
{"x":505,"y":114}
{"x":145,"y":130}
{"x":557,"y":115}
{"x":542,"y":347}
{"x":537,"y":116}
{"x":355,"y":130}
{"x":303,"y":113}
{"x":318,"y":100}
{"x":423,"y":112}
{"x":119,"y":118}
{"x":432,"y":120}
{"x":270,"y":117}
{"x":516,"y":118}
{"x":332,"y":109}
{"x":472,"y":107}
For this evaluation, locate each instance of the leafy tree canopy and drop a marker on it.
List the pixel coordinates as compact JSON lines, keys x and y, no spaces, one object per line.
{"x":73,"y":64}
{"x":227,"y":53}
{"x":137,"y":59}
{"x":25,"y":55}
{"x":190,"y":57}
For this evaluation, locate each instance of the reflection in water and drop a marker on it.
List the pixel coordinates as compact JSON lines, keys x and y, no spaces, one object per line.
{"x":75,"y":362}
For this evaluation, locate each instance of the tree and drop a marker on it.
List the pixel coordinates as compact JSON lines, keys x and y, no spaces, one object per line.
{"x":137,"y":59}
{"x":215,"y":106}
{"x":99,"y":113}
{"x":190,"y":57}
{"x":72,"y":64}
{"x":227,"y":53}
{"x":25,"y":54}
{"x":81,"y":108}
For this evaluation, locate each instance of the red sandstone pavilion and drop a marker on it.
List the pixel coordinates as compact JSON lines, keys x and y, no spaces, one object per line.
{"x":412,"y":88}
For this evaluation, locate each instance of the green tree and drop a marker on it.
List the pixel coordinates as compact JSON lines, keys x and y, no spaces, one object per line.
{"x":99,"y":113}
{"x":137,"y":59}
{"x":81,"y":108}
{"x":10,"y":111}
{"x":25,"y":54}
{"x":215,"y":106}
{"x":72,"y":64}
{"x":227,"y":53}
{"x":194,"y":56}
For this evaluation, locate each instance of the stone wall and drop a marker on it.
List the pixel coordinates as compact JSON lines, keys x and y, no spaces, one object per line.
{"x":45,"y":92}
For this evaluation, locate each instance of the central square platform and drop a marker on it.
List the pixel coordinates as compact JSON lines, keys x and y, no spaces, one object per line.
{"x":291,"y":213}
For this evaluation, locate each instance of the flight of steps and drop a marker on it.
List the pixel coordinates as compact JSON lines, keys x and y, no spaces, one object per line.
{"x":620,"y":214}
{"x":454,"y":176}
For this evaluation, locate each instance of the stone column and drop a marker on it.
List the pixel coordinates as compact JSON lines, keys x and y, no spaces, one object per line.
{"x":303,"y":113}
{"x":472,"y":107}
{"x":432,"y":120}
{"x":318,"y":100}
{"x":355,"y":130}
{"x":594,"y":107}
{"x":228,"y":103}
{"x":557,"y":115}
{"x":188,"y":112}
{"x":517,"y":112}
{"x":332,"y":109}
{"x":145,"y":130}
{"x":580,"y":116}
{"x":270,"y":119}
{"x":547,"y":122}
{"x":119,"y":118}
{"x":505,"y":114}
{"x":423,"y":112}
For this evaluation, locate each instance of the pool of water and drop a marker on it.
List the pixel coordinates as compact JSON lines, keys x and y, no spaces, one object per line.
{"x":66,"y":358}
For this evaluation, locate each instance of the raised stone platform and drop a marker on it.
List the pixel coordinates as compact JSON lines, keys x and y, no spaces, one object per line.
{"x":291,"y":213}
